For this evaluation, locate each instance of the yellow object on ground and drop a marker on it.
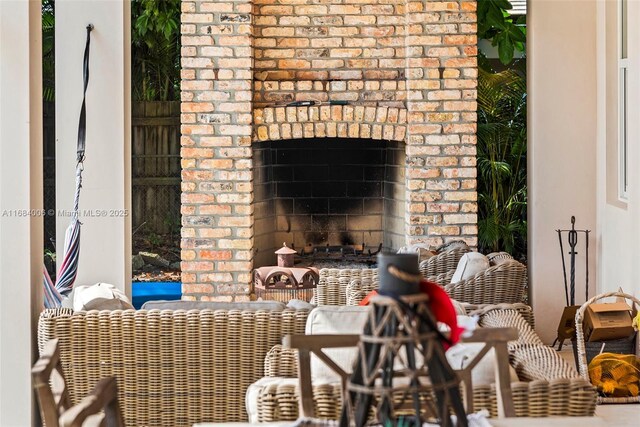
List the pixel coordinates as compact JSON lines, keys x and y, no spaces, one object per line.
{"x":636,"y":322}
{"x":616,"y":375}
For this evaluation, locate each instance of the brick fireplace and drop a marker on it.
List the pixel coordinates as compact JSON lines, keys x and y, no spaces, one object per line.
{"x":385,"y":155}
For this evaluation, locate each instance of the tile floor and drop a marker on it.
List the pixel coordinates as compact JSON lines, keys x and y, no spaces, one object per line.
{"x":606,"y":416}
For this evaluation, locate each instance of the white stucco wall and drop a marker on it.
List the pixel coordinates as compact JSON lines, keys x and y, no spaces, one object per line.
{"x":105,"y":246}
{"x":20,"y":192}
{"x":618,"y":222}
{"x":561,"y":61}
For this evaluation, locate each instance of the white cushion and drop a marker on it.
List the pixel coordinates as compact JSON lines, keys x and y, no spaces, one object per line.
{"x":298,"y":304}
{"x":101,"y":296}
{"x":333,"y":319}
{"x":469,"y":265}
{"x":460,"y":355}
{"x":330,"y":319}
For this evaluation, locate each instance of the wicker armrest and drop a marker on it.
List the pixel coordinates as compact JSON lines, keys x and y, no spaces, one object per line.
{"x":529,"y":356}
{"x":333,"y":283}
{"x":358,"y":289}
{"x":443,"y":261}
{"x":502,"y":283}
{"x":442,"y":279}
{"x":561,"y":397}
{"x":281,"y":362}
{"x":483,"y":309}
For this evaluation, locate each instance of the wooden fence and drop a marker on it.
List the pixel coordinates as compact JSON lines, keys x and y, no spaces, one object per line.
{"x":155,"y":167}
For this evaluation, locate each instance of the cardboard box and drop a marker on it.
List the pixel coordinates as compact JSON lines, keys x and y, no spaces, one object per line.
{"x":607,"y":321}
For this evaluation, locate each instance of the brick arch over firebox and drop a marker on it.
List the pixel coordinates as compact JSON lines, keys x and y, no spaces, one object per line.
{"x":330,"y":121}
{"x":242,"y":57}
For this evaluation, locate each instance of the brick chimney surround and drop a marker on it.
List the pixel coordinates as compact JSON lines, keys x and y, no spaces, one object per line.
{"x":382,"y":149}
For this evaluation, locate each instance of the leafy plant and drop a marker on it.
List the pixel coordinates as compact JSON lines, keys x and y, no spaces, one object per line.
{"x":497,"y":25}
{"x":153,"y":239}
{"x":502,"y":151}
{"x":155,"y":50}
{"x":48,"y":50}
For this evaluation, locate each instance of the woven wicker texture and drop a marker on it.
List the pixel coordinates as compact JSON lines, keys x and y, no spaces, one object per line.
{"x":281,"y":362}
{"x":358,"y":289}
{"x":447,"y":259}
{"x":443,"y":278}
{"x":554,"y":387}
{"x":332,"y":287}
{"x":498,"y":257}
{"x":502,"y":283}
{"x":580,"y":343}
{"x":174,"y":368}
{"x":560,"y":397}
{"x":509,"y":315}
{"x":482,"y":309}
{"x":529,"y":356}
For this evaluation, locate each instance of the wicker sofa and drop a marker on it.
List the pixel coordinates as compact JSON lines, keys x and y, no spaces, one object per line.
{"x":173,"y":367}
{"x":179,"y":367}
{"x":552,"y":387}
{"x":505,"y":282}
{"x":333,"y":282}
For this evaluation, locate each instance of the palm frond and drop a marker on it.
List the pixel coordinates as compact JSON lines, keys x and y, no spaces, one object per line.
{"x":501,"y":161}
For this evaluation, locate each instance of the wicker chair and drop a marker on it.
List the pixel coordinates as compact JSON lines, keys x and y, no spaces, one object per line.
{"x":502,"y":283}
{"x":332,"y":286}
{"x":100,"y":407}
{"x":482,"y":309}
{"x":359,"y":288}
{"x":446,"y":259}
{"x":173,"y":367}
{"x":553,"y":388}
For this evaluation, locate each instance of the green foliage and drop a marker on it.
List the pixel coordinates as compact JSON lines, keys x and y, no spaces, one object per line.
{"x":502,"y":160}
{"x":495,"y":24}
{"x":48,"y":50}
{"x":153,"y":239}
{"x":155,"y":50}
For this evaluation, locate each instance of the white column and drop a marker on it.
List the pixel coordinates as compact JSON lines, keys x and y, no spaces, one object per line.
{"x":21,"y":245}
{"x":561,"y":78}
{"x":105,"y":200}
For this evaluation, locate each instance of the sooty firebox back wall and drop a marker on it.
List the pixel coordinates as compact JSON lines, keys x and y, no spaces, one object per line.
{"x":327,"y":191}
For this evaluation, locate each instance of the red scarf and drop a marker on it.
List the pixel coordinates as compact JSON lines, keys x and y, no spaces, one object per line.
{"x":440,"y":305}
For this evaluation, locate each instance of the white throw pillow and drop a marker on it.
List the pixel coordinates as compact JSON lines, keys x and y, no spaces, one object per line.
{"x":469,"y":265}
{"x":460,"y":355}
{"x":298,"y":304}
{"x":333,"y":319}
{"x":101,"y":296}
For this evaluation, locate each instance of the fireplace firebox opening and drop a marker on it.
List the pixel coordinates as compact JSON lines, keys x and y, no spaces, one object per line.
{"x":312,"y":193}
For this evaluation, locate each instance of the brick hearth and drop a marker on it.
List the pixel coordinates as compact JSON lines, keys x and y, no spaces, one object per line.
{"x":407,"y":72}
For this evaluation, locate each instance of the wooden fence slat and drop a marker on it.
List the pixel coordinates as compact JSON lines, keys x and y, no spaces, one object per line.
{"x":156,"y":159}
{"x":155,"y":165}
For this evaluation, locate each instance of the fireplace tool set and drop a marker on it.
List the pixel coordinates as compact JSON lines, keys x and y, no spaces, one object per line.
{"x":566,"y":327}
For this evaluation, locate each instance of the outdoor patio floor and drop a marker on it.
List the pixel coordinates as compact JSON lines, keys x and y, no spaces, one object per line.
{"x":606,"y":415}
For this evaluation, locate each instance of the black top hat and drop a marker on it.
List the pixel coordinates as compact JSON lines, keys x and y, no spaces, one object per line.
{"x":399,"y":273}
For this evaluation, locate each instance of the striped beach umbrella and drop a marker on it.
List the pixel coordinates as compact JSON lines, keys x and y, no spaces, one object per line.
{"x":69,"y":267}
